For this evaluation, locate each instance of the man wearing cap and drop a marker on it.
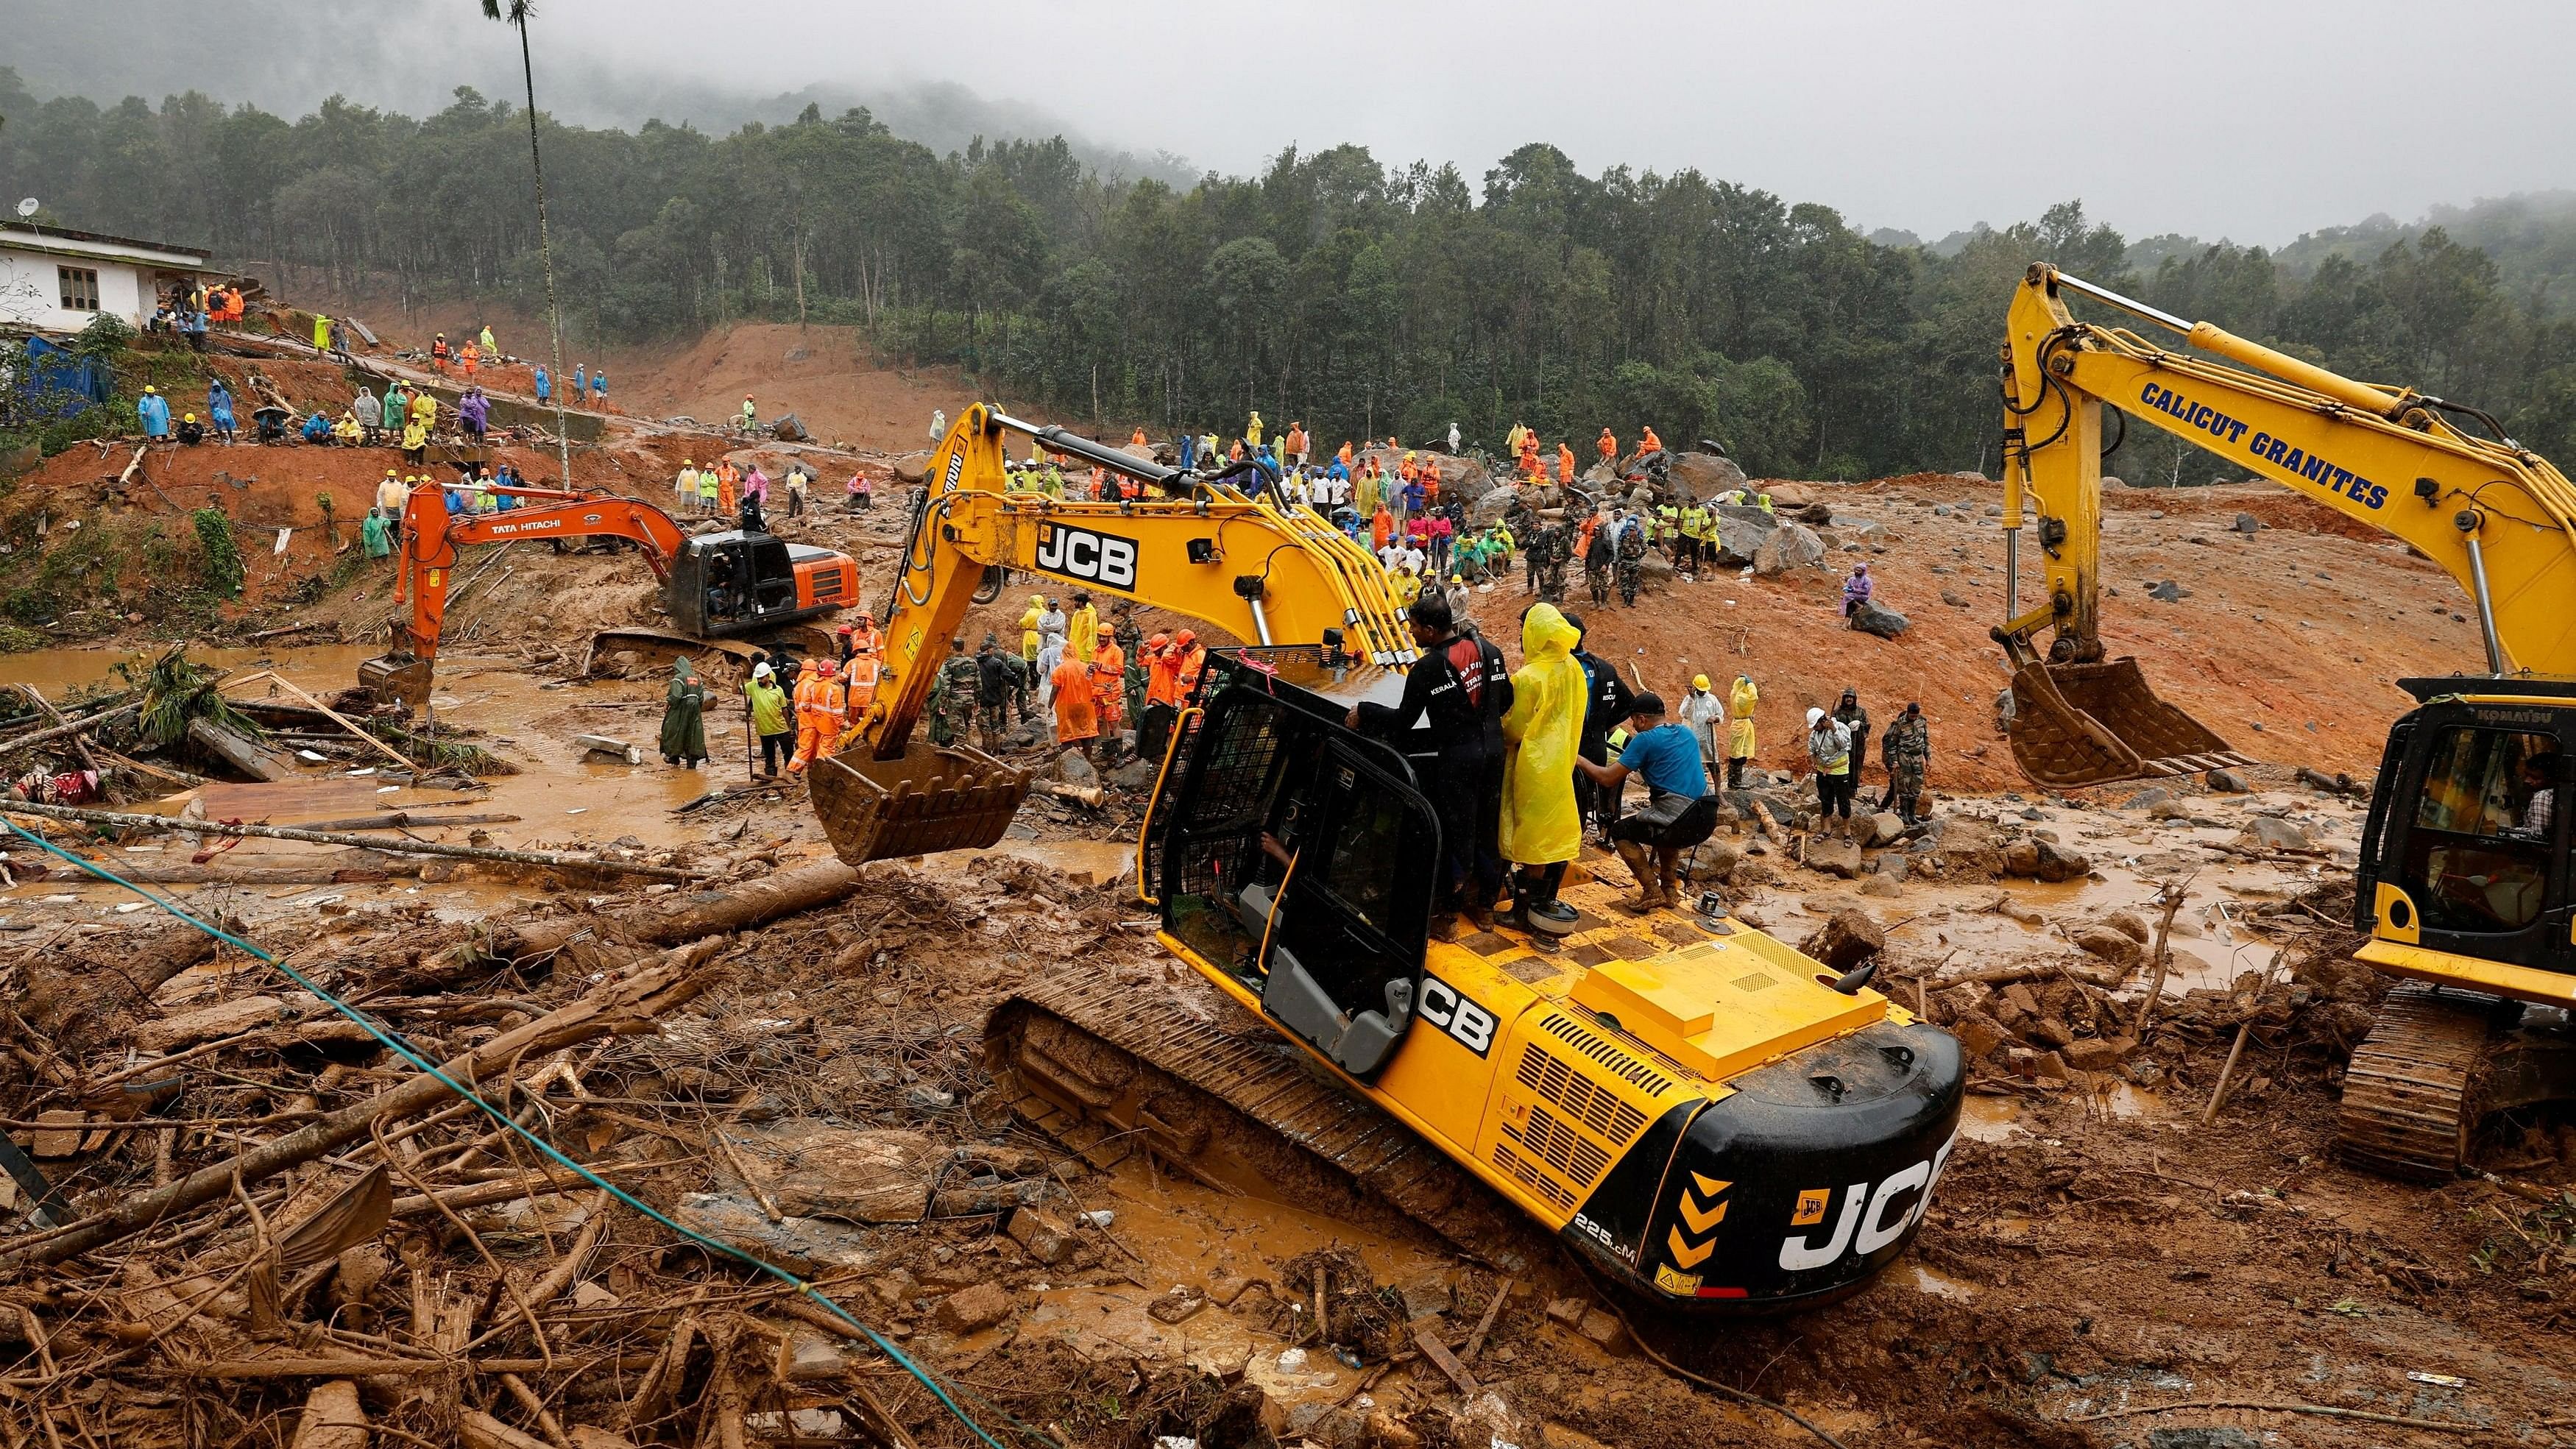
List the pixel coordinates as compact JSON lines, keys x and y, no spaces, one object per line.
{"x":1907,"y":748}
{"x":684,"y":722}
{"x":995,"y":673}
{"x":865,"y":636}
{"x":847,"y":640}
{"x":1162,"y":697}
{"x":959,"y":681}
{"x":1108,"y":689}
{"x":858,"y":685}
{"x":1454,"y":700}
{"x":1679,"y":811}
{"x":769,"y":719}
{"x":684,"y":488}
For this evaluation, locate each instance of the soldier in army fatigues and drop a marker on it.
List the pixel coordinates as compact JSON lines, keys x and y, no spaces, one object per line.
{"x":1549,"y":551}
{"x":1599,"y":561}
{"x":1907,"y":748}
{"x":953,"y":696}
{"x":995,"y":672}
{"x":1130,"y":638}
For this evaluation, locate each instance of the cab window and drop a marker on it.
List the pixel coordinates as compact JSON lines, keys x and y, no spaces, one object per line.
{"x":2477,"y":859}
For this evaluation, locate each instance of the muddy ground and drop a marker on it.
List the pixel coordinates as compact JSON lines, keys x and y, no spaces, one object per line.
{"x":2096,"y":1250}
{"x":2102,"y":1267}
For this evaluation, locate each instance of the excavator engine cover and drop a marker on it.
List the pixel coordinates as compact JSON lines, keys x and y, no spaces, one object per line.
{"x":403,"y":681}
{"x":937,"y":797}
{"x":2091,"y":724}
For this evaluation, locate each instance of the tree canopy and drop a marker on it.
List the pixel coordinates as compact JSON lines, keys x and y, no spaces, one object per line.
{"x":1333,"y":288}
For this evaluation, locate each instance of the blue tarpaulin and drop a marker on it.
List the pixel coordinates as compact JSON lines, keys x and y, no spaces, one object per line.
{"x":58,"y":384}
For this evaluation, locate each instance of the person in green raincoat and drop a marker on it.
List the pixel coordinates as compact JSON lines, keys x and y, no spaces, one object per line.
{"x":371,"y":534}
{"x":1541,"y":830}
{"x":684,"y":718}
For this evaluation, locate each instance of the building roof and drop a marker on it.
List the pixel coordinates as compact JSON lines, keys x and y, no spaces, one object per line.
{"x":20,"y":236}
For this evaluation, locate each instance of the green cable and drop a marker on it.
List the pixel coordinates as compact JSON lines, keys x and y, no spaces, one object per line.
{"x":403,"y":1050}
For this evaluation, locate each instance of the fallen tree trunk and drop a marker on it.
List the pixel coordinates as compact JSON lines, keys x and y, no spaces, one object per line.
{"x":167,"y":824}
{"x":627,"y":1004}
{"x":83,"y":995}
{"x":332,"y":870}
{"x":399,"y":819}
{"x":80,"y":726}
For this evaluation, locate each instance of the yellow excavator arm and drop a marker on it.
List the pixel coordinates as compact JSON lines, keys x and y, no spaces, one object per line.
{"x":2495,"y":515}
{"x":1264,"y":572}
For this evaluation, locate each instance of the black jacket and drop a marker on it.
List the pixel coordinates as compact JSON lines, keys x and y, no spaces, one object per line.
{"x":1464,"y":689}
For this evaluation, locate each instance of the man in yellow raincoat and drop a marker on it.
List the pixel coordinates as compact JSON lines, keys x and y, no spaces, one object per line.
{"x":1541,"y":831}
{"x":1739,"y":730}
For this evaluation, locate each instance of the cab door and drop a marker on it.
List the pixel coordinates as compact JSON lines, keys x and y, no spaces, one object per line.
{"x":2474,"y":855}
{"x":1343,"y":956}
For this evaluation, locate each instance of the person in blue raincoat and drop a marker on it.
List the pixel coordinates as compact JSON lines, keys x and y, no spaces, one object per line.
{"x":599,"y":386}
{"x":545,"y":385}
{"x":219,"y":409}
{"x":153,"y":410}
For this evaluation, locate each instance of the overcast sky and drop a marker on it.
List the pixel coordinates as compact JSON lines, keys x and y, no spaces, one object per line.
{"x":2248,"y":119}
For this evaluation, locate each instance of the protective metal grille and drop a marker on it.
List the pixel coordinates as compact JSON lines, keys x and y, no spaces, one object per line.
{"x":1525,"y":1172}
{"x":1548,"y":1075}
{"x":1627,"y":1068}
{"x":1563,"y":1148}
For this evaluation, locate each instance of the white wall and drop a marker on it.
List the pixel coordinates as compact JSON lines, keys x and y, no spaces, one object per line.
{"x":31,"y":291}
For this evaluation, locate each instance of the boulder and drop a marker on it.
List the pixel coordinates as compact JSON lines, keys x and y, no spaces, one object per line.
{"x":1040,"y":1235}
{"x":2248,"y":523}
{"x":2098,"y":1054}
{"x":809,"y":1247}
{"x":1884,"y":827}
{"x":2166,"y":591}
{"x":1846,"y":939}
{"x":812,"y":1168}
{"x":788,"y":429}
{"x":1136,"y":774}
{"x":911,"y":467}
{"x":1883,"y":886}
{"x":2147,"y":799}
{"x":1791,"y":546}
{"x":2057,"y":863}
{"x":2263,"y":832}
{"x":1074,"y":768}
{"x":1489,"y":509}
{"x":1697,"y":477}
{"x":2115,"y":946}
{"x":2046,"y":1031}
{"x":970,"y":1309}
{"x":1740,"y":533}
{"x":1655,"y":571}
{"x":1873,"y":617}
{"x":1713,"y":860}
{"x":2129,"y":924}
{"x":2226,"y":782}
{"x":1834,"y":857}
{"x":1819,"y":515}
{"x":1979,"y":1035}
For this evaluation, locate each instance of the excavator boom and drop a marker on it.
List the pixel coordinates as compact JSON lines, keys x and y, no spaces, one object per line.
{"x":1263,"y":572}
{"x":2494,"y":515}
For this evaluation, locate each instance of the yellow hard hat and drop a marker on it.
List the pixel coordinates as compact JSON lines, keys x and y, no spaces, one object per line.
{"x":1700,"y":683}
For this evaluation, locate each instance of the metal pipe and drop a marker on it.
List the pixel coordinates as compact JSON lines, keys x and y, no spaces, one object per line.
{"x":2209,"y":337}
{"x":2012,"y":573}
{"x":2486,"y":601}
{"x":2126,"y":304}
{"x":1097,"y":454}
{"x":1260,"y":620}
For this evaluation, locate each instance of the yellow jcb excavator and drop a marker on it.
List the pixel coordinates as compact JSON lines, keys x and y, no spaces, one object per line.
{"x":2464,"y":884}
{"x":1707,"y":1116}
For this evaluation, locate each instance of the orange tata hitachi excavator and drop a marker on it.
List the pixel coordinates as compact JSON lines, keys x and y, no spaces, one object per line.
{"x":716,"y":587}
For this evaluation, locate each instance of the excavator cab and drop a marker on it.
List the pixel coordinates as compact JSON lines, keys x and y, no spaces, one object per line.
{"x":735,"y":582}
{"x":1299,"y":856}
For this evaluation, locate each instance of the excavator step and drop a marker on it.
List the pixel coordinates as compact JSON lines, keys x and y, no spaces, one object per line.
{"x":1093,"y":1060}
{"x":2410,"y":1093}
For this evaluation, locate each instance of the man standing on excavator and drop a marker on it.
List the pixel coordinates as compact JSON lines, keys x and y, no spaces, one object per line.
{"x":1461,"y":687}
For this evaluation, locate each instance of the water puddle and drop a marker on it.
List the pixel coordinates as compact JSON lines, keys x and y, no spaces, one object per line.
{"x":1939,"y":1285}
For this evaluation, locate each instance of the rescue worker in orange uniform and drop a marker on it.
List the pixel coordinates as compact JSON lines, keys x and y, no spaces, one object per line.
{"x":1077,"y":722}
{"x":1109,"y":689}
{"x":1190,"y":659}
{"x":806,"y":697}
{"x":858,"y":690}
{"x":864,"y":636}
{"x":1609,"y":448}
{"x":1650,"y":443}
{"x":1529,"y":454}
{"x":1162,"y":697}
{"x":1564,"y":464}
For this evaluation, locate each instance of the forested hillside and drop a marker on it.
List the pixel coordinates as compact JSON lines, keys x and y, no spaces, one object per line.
{"x":1333,"y":287}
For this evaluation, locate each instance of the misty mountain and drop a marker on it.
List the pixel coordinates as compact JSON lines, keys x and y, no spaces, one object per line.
{"x":283,"y":55}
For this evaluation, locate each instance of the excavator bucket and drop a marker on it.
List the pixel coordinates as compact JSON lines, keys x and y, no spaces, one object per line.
{"x":2091,"y":724}
{"x":402,"y":681}
{"x":934,"y":798}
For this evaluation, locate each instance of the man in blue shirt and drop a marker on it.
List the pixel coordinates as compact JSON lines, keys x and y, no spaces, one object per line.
{"x":1679,"y":813}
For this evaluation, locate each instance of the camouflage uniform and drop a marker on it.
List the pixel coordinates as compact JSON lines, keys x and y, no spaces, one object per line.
{"x":1907,"y":748}
{"x":1632,"y":561}
{"x":955,"y":690}
{"x":995,"y":672}
{"x":1548,"y":552}
{"x":1131,"y":647}
{"x":1597,"y":563}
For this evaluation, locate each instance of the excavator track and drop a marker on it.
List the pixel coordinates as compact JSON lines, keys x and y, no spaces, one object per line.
{"x":1111,"y":1067}
{"x":2410,"y":1095}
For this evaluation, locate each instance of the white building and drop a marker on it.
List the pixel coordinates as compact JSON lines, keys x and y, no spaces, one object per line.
{"x":52,"y":280}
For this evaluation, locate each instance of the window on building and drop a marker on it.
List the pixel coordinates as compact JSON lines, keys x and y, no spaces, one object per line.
{"x":80,"y":288}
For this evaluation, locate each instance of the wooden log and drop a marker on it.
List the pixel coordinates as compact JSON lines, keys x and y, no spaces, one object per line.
{"x":166,"y":824}
{"x":306,"y":627}
{"x":627,"y":1003}
{"x":37,"y":697}
{"x":1090,"y":795}
{"x":235,"y":751}
{"x":339,"y":870}
{"x":72,"y":996}
{"x":403,"y":819}
{"x":343,"y":721}
{"x":80,"y":726}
